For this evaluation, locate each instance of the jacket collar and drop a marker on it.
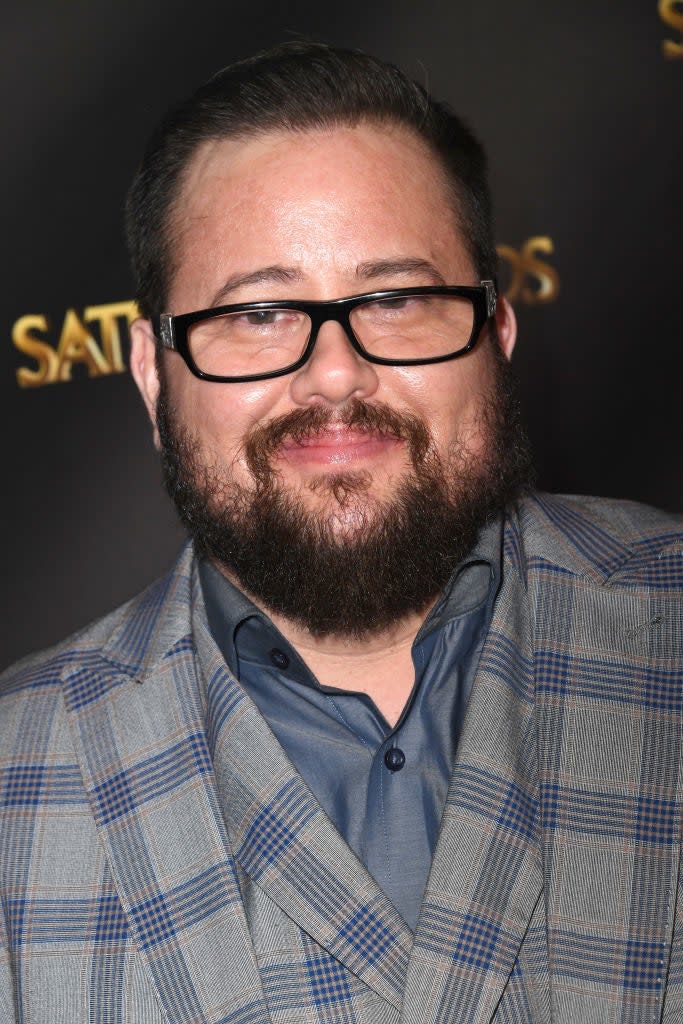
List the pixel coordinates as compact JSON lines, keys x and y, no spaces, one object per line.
{"x":147,"y":630}
{"x":592,"y":538}
{"x":542,"y":527}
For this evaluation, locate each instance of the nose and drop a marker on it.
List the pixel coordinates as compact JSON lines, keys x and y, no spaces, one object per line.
{"x":335,"y":372}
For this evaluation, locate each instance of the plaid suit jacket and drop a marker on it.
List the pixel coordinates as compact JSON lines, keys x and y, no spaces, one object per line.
{"x":162,"y":861}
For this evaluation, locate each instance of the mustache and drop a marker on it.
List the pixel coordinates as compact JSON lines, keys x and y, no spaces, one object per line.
{"x":304,"y":424}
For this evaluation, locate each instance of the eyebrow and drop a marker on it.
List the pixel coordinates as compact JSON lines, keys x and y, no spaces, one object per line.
{"x":264,"y":275}
{"x":366,"y":271}
{"x":405,"y":266}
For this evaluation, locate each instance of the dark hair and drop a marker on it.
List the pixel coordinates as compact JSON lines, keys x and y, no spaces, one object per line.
{"x":296,"y":87}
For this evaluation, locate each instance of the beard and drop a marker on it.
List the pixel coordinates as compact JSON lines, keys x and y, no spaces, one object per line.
{"x":356,"y":564}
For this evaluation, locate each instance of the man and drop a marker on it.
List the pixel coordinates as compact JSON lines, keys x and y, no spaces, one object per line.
{"x":397,"y":738}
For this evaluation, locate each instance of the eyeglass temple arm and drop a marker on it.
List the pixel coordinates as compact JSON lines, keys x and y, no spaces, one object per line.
{"x":491,"y":301}
{"x":164,"y":330}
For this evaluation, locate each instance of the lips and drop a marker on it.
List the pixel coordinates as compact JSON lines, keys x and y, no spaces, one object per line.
{"x":340,"y":445}
{"x":335,"y":437}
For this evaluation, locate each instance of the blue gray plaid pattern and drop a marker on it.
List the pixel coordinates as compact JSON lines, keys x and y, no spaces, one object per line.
{"x":162,"y":861}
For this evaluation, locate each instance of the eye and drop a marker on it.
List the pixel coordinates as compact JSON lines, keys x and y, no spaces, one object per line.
{"x":394,"y":307}
{"x":259,"y":324}
{"x":262,"y":317}
{"x":395,"y":303}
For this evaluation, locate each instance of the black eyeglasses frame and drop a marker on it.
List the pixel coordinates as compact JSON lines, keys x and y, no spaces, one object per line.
{"x":172,"y":331}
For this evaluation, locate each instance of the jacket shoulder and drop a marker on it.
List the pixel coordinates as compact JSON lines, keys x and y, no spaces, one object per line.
{"x":598,"y":537}
{"x":105,"y":639}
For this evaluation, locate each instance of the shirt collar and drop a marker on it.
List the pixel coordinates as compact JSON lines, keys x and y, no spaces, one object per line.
{"x":473,"y":582}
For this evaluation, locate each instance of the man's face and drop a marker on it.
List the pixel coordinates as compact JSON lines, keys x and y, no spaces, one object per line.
{"x":320,"y":215}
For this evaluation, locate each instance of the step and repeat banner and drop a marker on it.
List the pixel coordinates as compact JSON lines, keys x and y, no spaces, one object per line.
{"x":581,"y":109}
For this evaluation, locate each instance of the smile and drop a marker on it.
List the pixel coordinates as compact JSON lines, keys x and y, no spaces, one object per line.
{"x":339,"y":447}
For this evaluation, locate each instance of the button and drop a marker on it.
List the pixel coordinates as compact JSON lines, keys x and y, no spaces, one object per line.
{"x":394,"y":759}
{"x":279,"y":658}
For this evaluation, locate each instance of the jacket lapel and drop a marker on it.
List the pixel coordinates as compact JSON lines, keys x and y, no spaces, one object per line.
{"x":486,"y":876}
{"x":287,"y":845}
{"x":138,"y":730}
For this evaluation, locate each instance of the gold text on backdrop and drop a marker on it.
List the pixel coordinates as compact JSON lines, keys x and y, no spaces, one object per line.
{"x":525,"y":268}
{"x":671,"y":11}
{"x":92,"y":339}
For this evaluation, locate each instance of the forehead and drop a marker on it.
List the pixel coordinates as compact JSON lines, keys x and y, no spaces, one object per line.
{"x":323,"y":201}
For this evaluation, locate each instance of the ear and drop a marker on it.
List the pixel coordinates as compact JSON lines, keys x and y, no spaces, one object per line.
{"x":506,"y":324}
{"x":143,"y":367}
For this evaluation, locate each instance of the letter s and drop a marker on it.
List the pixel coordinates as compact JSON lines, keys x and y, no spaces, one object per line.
{"x":44,"y":355}
{"x":671,"y":12}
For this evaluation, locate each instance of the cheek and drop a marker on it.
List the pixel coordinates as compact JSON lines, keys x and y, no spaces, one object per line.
{"x":221,"y":415}
{"x":448,"y":397}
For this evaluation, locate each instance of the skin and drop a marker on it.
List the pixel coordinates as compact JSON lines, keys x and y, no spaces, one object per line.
{"x":322,"y":215}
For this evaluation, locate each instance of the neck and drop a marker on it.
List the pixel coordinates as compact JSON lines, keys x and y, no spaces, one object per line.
{"x":379,"y":664}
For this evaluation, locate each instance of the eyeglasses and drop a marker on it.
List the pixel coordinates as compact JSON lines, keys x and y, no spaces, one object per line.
{"x":259,"y":340}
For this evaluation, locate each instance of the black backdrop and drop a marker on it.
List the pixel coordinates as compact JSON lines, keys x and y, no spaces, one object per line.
{"x":580,"y":108}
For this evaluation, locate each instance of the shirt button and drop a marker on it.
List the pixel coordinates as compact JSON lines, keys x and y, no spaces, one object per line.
{"x":394,"y":759}
{"x":279,"y":658}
